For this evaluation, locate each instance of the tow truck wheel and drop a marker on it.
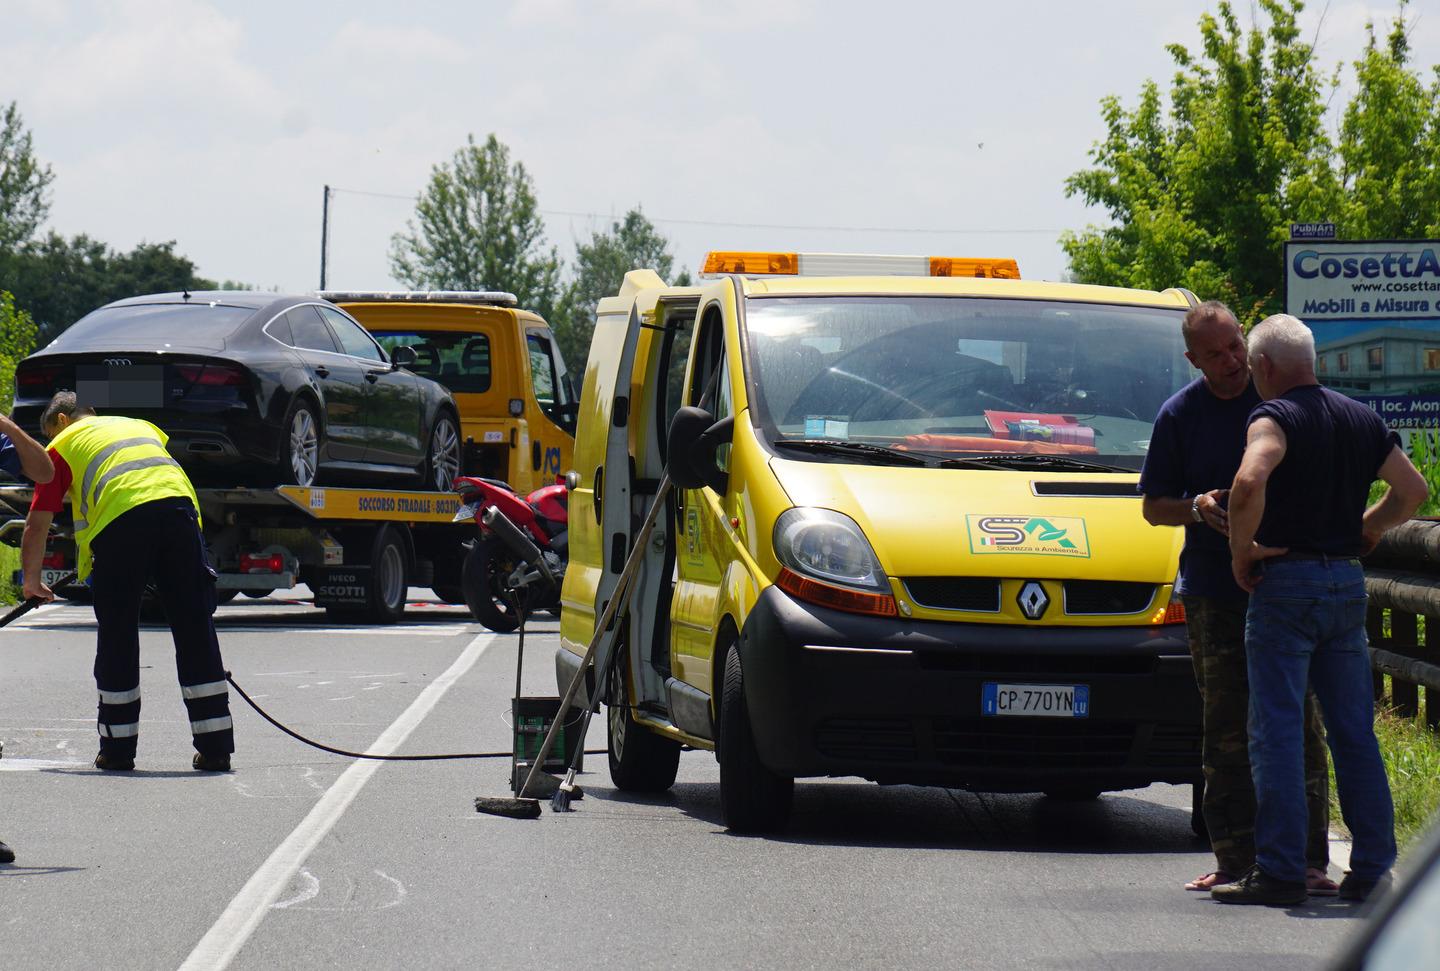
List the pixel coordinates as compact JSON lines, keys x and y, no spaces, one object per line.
{"x":389,"y":581}
{"x":753,"y":799}
{"x":442,"y":460}
{"x":487,"y":566}
{"x":640,"y":760}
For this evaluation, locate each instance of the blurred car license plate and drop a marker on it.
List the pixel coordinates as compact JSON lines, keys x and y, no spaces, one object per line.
{"x":1043,"y":700}
{"x":52,"y":577}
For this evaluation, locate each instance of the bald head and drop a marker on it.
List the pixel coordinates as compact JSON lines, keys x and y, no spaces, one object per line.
{"x":1215,"y":345}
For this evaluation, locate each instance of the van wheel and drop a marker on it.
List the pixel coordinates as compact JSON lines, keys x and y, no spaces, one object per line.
{"x":226,"y":595}
{"x":487,"y":566}
{"x":450,"y":595}
{"x":752,"y":798}
{"x":640,"y":760}
{"x":1197,"y":812}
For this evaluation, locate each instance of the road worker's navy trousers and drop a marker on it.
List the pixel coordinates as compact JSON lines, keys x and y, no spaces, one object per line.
{"x":157,"y":543}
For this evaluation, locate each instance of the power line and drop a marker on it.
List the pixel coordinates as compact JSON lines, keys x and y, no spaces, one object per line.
{"x":740,"y":225}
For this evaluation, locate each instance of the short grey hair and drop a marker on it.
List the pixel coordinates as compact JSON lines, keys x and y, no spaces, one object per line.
{"x":64,"y":403}
{"x":1285,"y":340}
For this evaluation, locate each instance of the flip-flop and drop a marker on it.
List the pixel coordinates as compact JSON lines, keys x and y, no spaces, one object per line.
{"x":1320,"y":885}
{"x":1205,"y":881}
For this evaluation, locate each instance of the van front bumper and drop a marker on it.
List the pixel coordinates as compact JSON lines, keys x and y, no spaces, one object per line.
{"x":899,"y":701}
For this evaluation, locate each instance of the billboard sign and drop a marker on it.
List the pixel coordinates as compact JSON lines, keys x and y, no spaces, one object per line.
{"x":1312,"y":230}
{"x":1373,"y":280}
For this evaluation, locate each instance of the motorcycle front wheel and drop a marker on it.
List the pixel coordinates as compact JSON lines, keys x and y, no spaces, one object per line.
{"x":487,"y":567}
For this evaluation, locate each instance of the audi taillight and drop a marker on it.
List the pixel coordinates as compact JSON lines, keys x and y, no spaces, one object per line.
{"x":212,"y":375}
{"x":36,"y":377}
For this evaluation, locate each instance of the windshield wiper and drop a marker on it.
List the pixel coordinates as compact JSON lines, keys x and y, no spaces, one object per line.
{"x":827,"y":446}
{"x":1028,"y":460}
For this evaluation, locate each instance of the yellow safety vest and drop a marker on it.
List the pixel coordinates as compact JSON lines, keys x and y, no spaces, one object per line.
{"x":115,"y":465}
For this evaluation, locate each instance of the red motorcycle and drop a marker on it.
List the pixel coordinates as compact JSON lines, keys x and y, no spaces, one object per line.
{"x":517,"y":564}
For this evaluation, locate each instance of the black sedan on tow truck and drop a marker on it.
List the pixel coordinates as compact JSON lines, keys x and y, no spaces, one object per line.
{"x":254,"y":389}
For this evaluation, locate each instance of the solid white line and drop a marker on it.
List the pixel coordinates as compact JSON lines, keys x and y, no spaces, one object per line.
{"x":223,"y":941}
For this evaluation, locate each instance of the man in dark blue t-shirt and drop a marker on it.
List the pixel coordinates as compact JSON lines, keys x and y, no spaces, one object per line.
{"x":1298,"y":524}
{"x":1195,"y":450}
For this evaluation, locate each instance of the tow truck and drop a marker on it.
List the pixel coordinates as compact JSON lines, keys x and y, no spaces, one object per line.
{"x":358,"y":549}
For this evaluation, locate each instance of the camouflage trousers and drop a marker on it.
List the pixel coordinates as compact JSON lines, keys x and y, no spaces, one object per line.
{"x":1217,"y":649}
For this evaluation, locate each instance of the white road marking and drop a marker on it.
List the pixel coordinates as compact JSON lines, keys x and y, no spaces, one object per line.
{"x":400,"y":891}
{"x":35,"y":765}
{"x":310,"y":891}
{"x":341,"y":698}
{"x":223,"y":941}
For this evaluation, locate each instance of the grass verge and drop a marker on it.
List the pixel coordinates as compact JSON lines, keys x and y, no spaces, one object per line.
{"x":9,"y":563}
{"x":1412,"y":760}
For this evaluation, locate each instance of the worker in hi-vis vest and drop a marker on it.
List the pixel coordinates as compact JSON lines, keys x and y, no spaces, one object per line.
{"x":136,"y":521}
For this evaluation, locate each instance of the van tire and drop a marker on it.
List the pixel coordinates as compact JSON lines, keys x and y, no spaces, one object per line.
{"x":640,"y":760}
{"x":482,"y":579}
{"x":753,"y":799}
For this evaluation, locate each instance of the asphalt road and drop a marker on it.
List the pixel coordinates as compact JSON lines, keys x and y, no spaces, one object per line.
{"x":300,"y":859}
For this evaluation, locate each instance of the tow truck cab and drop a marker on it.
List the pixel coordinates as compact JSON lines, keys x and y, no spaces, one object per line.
{"x":906,"y":541}
{"x":501,"y":364}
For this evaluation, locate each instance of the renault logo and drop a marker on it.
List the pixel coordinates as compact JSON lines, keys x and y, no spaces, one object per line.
{"x":1033,"y":600}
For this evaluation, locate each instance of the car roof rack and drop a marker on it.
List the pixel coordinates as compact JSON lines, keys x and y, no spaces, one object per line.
{"x":489,"y":298}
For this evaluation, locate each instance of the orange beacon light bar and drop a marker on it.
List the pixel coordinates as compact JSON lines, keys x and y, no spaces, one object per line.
{"x":855,"y":264}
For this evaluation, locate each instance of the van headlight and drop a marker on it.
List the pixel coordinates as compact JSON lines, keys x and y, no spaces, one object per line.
{"x":828,"y":546}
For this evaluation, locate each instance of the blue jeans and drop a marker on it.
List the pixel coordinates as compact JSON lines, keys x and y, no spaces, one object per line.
{"x":1306,"y":624}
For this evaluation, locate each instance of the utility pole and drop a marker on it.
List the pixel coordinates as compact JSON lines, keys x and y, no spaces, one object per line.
{"x":324,"y":235}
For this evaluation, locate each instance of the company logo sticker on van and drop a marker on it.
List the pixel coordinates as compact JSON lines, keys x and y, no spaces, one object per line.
{"x":1035,"y":535}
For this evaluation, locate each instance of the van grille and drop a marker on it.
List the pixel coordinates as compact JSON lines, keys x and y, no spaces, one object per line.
{"x":1032,"y":743}
{"x":955,"y":593}
{"x":867,"y":739}
{"x":1107,"y":596}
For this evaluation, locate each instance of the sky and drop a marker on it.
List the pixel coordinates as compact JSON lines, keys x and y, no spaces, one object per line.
{"x":943,"y":128}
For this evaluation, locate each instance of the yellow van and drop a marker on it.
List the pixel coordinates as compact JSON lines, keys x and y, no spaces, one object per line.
{"x":905,"y":543}
{"x":501,"y":364}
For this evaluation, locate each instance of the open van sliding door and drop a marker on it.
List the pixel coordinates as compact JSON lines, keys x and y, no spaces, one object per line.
{"x":650,"y":372}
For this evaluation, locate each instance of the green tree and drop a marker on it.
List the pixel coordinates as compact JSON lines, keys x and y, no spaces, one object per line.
{"x":1202,"y":194}
{"x":600,"y":267}
{"x":1390,"y":145}
{"x":17,"y":340}
{"x":477,"y":226}
{"x":59,"y":280}
{"x":23,"y":180}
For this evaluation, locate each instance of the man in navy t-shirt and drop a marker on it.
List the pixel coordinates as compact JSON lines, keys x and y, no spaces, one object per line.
{"x":19,"y":453}
{"x":1195,"y":450}
{"x":1298,"y":522}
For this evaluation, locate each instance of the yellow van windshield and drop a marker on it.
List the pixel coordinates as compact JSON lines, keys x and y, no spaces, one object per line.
{"x":956,"y":376}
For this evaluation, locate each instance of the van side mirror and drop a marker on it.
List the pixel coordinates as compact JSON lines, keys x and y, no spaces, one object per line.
{"x":695,"y":436}
{"x":403,"y":356}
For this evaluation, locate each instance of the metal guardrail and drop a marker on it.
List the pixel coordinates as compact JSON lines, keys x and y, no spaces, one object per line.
{"x":1402,"y":579}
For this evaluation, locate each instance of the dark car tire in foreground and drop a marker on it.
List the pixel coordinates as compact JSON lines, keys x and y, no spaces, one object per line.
{"x":640,"y":760}
{"x":486,"y":567}
{"x":450,"y":595}
{"x":442,"y":458}
{"x":299,"y":445}
{"x":752,"y":798}
{"x":389,"y":581}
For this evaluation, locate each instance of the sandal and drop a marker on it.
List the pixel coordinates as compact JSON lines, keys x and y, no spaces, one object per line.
{"x":1206,"y":881}
{"x":1319,"y":884}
